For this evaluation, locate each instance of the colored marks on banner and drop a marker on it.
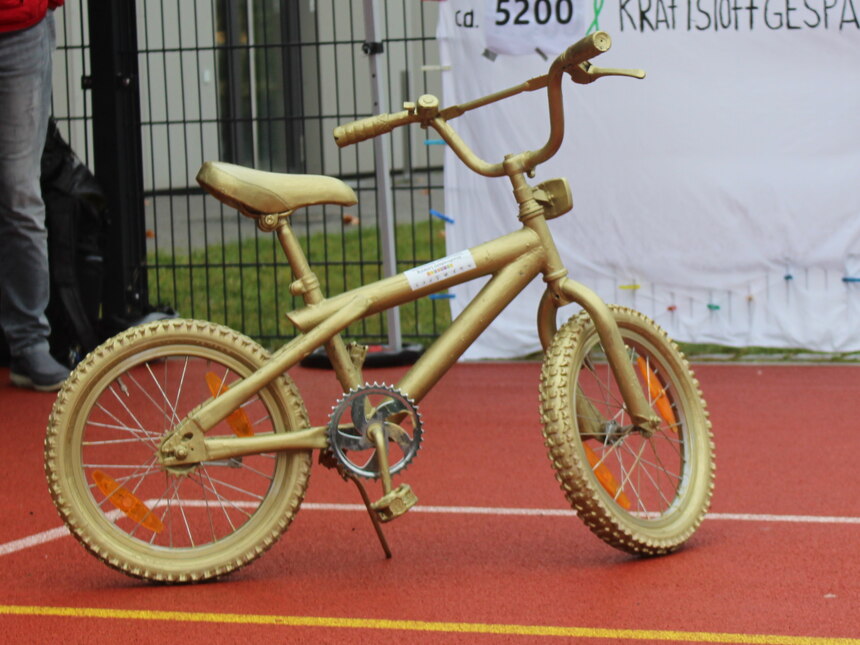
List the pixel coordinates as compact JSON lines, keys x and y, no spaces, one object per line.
{"x":434,"y":142}
{"x":441,"y":216}
{"x":442,"y":296}
{"x":794,"y":279}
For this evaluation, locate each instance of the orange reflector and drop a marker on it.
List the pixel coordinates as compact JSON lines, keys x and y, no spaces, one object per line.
{"x":606,"y":478}
{"x":127,"y":502}
{"x":658,"y":394}
{"x":238,"y":420}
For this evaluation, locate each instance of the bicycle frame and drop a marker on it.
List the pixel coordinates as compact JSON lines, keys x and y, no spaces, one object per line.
{"x":512,"y":260}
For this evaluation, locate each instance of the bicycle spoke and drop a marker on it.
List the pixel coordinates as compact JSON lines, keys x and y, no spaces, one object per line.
{"x":627,"y":473}
{"x":184,"y":516}
{"x":173,"y":417}
{"x":674,"y":479}
{"x":141,"y":471}
{"x":658,"y":465}
{"x":179,"y":389}
{"x":605,"y":386}
{"x":124,"y":428}
{"x":654,"y":483}
{"x":265,"y":419}
{"x":233,"y":487}
{"x":108,"y":442}
{"x":142,"y":433}
{"x":223,"y":500}
{"x":250,"y":469}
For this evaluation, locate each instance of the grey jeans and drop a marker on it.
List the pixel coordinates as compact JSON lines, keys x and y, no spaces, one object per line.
{"x":25,"y":104}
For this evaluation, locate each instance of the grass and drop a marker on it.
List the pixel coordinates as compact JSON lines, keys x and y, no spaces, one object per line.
{"x":722,"y":353}
{"x":246,"y":285}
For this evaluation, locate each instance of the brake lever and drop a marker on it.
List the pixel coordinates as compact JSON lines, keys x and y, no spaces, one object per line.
{"x":585,"y":73}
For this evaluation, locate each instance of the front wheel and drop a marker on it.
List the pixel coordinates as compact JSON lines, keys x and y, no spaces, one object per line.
{"x":640,"y":492}
{"x":171,"y":524}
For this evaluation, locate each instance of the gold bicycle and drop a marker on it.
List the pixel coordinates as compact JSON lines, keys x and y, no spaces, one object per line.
{"x":180,"y":450}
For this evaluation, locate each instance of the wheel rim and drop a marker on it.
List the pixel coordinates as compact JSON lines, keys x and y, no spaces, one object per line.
{"x":214,"y":507}
{"x":643,"y":477}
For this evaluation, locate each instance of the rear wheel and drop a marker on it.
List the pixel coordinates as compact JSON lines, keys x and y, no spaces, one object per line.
{"x":641,"y":493}
{"x":171,"y":524}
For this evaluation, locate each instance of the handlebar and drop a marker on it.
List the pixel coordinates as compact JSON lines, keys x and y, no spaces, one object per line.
{"x":363,"y":129}
{"x":573,"y":61}
{"x":592,"y":45}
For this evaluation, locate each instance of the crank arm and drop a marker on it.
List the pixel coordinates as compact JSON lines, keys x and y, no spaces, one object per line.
{"x":192,"y":446}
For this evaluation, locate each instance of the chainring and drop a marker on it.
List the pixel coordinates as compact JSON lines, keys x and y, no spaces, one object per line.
{"x":395,"y":414}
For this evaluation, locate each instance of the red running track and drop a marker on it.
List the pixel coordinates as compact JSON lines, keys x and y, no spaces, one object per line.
{"x":776,"y":561}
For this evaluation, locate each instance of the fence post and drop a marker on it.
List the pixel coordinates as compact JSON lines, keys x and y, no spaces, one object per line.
{"x":117,"y":153}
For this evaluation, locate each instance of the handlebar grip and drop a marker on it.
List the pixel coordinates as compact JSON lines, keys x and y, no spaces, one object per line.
{"x":363,"y":129}
{"x":589,"y":47}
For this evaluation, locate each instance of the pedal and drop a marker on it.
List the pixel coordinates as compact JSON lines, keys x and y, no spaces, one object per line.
{"x":395,"y":503}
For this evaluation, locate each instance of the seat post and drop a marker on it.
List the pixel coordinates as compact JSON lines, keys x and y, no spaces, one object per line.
{"x":307,"y":285}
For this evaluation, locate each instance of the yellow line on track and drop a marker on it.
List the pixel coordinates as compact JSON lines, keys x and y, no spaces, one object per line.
{"x":421,"y":626}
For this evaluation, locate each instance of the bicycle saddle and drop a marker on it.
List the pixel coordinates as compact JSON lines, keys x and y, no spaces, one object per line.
{"x":256,"y":193}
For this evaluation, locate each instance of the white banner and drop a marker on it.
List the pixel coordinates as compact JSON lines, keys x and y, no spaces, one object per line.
{"x":720,"y":195}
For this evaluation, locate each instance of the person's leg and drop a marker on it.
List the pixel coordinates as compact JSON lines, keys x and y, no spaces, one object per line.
{"x":25,"y":104}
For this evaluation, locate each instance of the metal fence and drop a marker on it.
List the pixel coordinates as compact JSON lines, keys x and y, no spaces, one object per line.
{"x":262,"y":83}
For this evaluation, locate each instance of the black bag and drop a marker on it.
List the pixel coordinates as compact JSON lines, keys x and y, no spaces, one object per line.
{"x":76,"y":219}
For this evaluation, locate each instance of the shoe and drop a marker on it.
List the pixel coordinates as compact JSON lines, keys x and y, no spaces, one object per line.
{"x":38,"y":370}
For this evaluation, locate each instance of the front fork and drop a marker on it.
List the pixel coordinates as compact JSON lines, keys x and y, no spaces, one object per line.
{"x":564,"y":291}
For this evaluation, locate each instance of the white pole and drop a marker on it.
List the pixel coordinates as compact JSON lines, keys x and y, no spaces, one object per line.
{"x":385,"y":213}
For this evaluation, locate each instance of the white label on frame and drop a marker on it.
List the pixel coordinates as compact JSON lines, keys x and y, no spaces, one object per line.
{"x":440,"y":269}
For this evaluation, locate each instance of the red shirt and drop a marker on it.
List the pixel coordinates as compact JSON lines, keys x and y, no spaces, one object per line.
{"x":20,"y":14}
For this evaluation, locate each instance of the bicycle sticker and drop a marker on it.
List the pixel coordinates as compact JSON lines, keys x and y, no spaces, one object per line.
{"x":440,"y":269}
